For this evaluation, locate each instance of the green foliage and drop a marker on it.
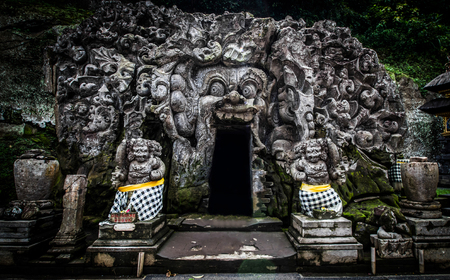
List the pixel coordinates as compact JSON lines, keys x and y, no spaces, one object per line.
{"x":410,"y":38}
{"x":441,"y":191}
{"x":61,"y":12}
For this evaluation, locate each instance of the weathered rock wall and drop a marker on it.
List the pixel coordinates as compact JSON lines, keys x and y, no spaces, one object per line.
{"x":26,"y":96}
{"x":423,"y":129}
{"x":366,"y":178}
{"x":192,"y":75}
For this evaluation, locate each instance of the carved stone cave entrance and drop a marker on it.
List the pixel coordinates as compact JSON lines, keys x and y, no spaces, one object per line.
{"x":230,"y":179}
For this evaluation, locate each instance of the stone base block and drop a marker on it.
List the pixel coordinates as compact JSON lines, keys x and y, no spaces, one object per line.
{"x":66,"y":247}
{"x":27,"y":232}
{"x":326,"y":254}
{"x":408,"y":204}
{"x":434,"y":252}
{"x":143,"y":241}
{"x":21,"y":240}
{"x":313,"y":228}
{"x":393,"y":248}
{"x":20,"y":254}
{"x":323,"y":242}
{"x":124,"y":252}
{"x":119,"y":244}
{"x":423,"y":214}
{"x":429,"y":228}
{"x":147,"y":230}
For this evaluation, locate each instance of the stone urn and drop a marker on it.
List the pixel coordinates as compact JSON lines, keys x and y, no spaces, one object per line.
{"x":420,"y":179}
{"x":35,"y":173}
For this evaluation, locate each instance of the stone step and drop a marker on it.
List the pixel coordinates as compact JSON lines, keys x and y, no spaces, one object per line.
{"x":227,"y":251}
{"x":197,"y":222}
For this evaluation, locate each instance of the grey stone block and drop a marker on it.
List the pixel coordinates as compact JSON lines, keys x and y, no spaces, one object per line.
{"x":143,"y":230}
{"x":326,"y":254}
{"x":311,"y":227}
{"x":429,"y":227}
{"x":434,"y":252}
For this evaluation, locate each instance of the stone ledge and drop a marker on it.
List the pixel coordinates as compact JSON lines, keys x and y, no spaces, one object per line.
{"x":105,"y":255}
{"x":126,"y":242}
{"x":429,"y":227}
{"x":311,"y":227}
{"x":223,"y":223}
{"x":143,"y":230}
{"x":326,"y":254}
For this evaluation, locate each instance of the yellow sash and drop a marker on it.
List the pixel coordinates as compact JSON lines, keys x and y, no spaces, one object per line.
{"x":315,"y":188}
{"x":150,"y":184}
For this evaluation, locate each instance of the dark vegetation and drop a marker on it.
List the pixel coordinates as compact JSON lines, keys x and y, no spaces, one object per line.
{"x":411,"y":37}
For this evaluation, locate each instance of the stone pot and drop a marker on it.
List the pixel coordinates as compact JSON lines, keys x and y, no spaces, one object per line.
{"x":35,"y":178}
{"x":420,"y":180}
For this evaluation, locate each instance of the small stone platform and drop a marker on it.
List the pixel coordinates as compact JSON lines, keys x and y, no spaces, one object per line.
{"x":119,"y":244}
{"x":21,"y":240}
{"x":323,"y":242}
{"x":433,"y":237}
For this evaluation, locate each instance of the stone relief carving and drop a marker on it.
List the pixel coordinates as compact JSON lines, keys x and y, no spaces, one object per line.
{"x":193,"y":73}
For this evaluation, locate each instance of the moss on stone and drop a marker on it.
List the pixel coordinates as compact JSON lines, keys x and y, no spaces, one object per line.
{"x":354,"y":215}
{"x":188,"y":199}
{"x":364,"y":211}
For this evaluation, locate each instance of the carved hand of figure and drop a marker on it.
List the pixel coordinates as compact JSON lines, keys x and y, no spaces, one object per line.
{"x":299,"y":176}
{"x":156,"y":175}
{"x":297,"y":171}
{"x":153,"y":162}
{"x":118,"y":177}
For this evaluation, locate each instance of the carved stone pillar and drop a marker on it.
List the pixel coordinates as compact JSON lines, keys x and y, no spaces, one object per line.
{"x":71,"y":236}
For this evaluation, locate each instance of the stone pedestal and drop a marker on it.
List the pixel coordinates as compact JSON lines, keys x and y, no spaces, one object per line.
{"x":71,"y":237}
{"x":324,"y":242}
{"x":119,"y":244}
{"x":393,"y":248}
{"x":433,"y":237}
{"x":418,"y":209}
{"x":21,"y":240}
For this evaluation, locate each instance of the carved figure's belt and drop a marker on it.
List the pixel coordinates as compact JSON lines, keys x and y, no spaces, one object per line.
{"x":315,"y":188}
{"x":147,"y":185}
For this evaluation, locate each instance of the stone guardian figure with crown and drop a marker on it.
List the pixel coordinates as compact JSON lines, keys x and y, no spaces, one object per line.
{"x":313,"y":167}
{"x":139,"y":178}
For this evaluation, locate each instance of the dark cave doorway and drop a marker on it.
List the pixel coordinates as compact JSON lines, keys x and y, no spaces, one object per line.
{"x":230,"y":179}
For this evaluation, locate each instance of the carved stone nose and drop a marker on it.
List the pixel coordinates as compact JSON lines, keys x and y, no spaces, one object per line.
{"x":234,"y":97}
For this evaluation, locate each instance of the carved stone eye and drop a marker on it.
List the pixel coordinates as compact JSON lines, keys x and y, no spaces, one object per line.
{"x":217,"y":89}
{"x":249,"y":90}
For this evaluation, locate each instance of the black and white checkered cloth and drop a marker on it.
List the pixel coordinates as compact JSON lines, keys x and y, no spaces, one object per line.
{"x":146,"y":202}
{"x":394,"y":173}
{"x":316,"y":200}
